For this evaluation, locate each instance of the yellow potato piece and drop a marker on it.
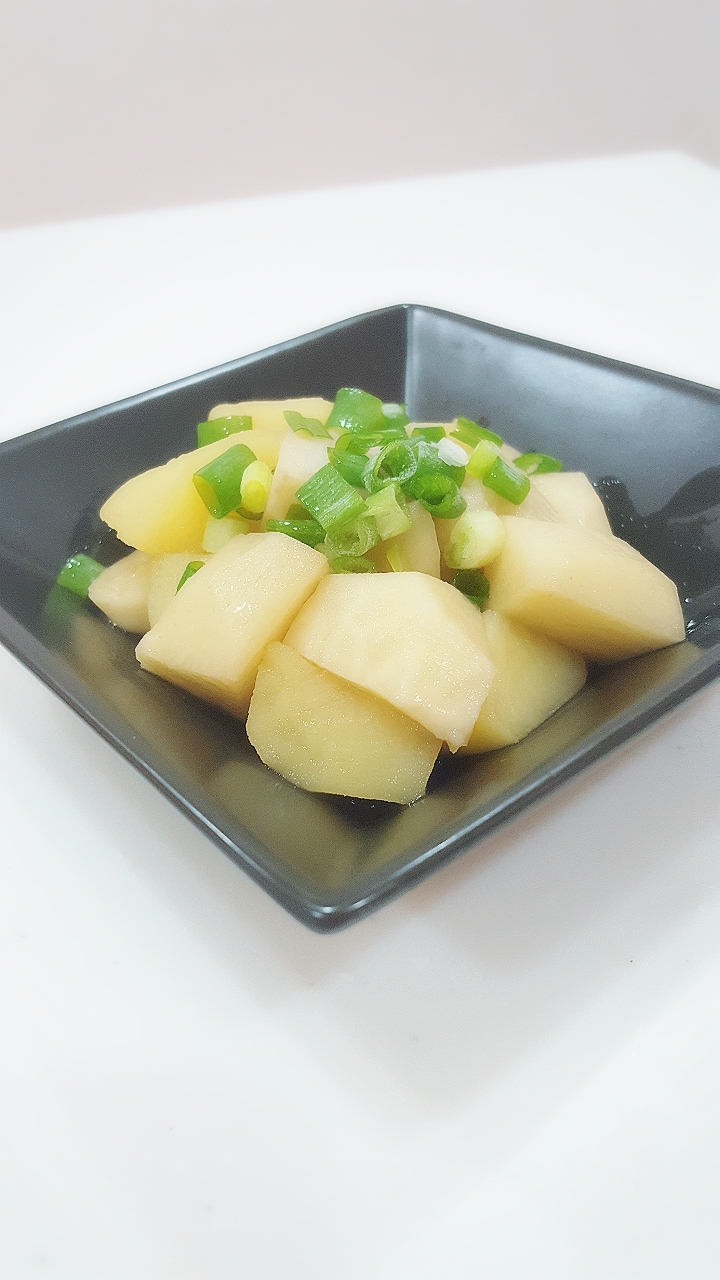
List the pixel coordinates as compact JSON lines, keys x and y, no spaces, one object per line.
{"x":415,"y":551}
{"x":161,"y":511}
{"x":591,"y":592}
{"x":121,"y":591}
{"x":299,"y":458}
{"x":407,"y":637}
{"x":533,"y":677}
{"x":324,"y":734}
{"x":212,"y":634}
{"x":271,"y":413}
{"x":165,"y":574}
{"x":571,"y":494}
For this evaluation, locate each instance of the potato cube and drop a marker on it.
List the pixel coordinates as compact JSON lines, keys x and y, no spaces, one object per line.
{"x":571,"y":494}
{"x":299,"y":458}
{"x":165,"y":574}
{"x":271,"y":413}
{"x":415,"y":551}
{"x":121,"y":591}
{"x":591,"y":592}
{"x":407,"y":637}
{"x":324,"y":734}
{"x":211,"y":636}
{"x":161,"y":511}
{"x":533,"y":677}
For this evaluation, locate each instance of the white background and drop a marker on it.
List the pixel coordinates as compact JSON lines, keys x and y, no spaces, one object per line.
{"x":510,"y":1072}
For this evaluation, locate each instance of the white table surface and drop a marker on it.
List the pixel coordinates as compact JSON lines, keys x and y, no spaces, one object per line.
{"x":512,"y":1071}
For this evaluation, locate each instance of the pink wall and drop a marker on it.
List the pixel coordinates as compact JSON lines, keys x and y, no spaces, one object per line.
{"x":107,"y":107}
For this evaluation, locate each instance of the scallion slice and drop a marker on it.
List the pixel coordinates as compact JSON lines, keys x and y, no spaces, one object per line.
{"x":473,"y":584}
{"x":397,"y":461}
{"x":219,"y":428}
{"x":429,"y":463}
{"x":353,"y":538}
{"x":535,"y":463}
{"x":349,"y":564}
{"x":472,"y":433}
{"x":396,"y":413}
{"x":78,"y":573}
{"x":352,"y":466}
{"x":188,"y":572}
{"x":298,"y":422}
{"x":307,"y":531}
{"x":452,"y":453}
{"x":440,"y":495}
{"x":255,"y":487}
{"x":219,"y":482}
{"x":482,"y":459}
{"x":218,"y":532}
{"x":397,"y":558}
{"x":476,"y":540}
{"x":389,"y":510}
{"x":505,"y":479}
{"x":428,"y":433}
{"x":356,"y":410}
{"x":330,"y":499}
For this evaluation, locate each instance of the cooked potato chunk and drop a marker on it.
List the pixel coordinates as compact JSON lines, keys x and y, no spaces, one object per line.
{"x":211,"y":636}
{"x":571,"y":494}
{"x":415,"y":551}
{"x":161,"y":510}
{"x":271,"y":413}
{"x":533,"y":677}
{"x":591,"y":592}
{"x":165,"y":574}
{"x":299,"y":458}
{"x":324,"y":734}
{"x":407,"y":637}
{"x":121,"y":591}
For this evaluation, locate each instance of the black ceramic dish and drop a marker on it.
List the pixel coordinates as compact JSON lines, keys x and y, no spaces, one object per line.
{"x":650,"y":443}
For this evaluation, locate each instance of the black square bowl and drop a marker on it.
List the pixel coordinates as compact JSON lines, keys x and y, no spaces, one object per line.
{"x":651,"y":445}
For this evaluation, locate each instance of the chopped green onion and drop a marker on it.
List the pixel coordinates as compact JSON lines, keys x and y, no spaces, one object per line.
{"x":218,"y":532}
{"x":220,"y":481}
{"x":330,"y":499}
{"x":389,"y":510}
{"x":356,"y":410}
{"x":397,"y":558}
{"x":477,"y":539}
{"x":452,"y":454}
{"x":482,"y":459}
{"x":255,"y":487}
{"x":352,"y":466}
{"x":296,"y":511}
{"x":352,"y":442}
{"x":298,"y":422}
{"x":430,"y":462}
{"x":428,"y":433}
{"x":473,"y":584}
{"x":353,"y":538}
{"x":535,"y":463}
{"x":505,"y":479}
{"x":439,"y":495}
{"x":396,"y":413}
{"x":78,"y":573}
{"x":360,"y":441}
{"x":188,"y":572}
{"x":397,"y":461}
{"x":349,"y":564}
{"x":473,"y":432}
{"x":219,"y":428}
{"x":307,"y":531}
